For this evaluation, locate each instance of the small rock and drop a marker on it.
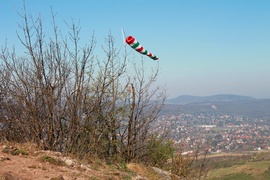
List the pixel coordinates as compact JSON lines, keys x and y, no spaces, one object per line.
{"x":69,"y":162}
{"x":139,"y":178}
{"x":9,"y":176}
{"x":163,"y":173}
{"x":3,"y":158}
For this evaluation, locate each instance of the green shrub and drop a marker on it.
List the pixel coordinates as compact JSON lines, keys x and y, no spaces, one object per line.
{"x":52,"y":160}
{"x":16,"y":152}
{"x":159,"y":151}
{"x":5,"y":150}
{"x":239,"y":176}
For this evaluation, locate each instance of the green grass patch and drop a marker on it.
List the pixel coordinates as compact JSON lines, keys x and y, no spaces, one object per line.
{"x":266,"y":175}
{"x":14,"y":151}
{"x":5,"y":150}
{"x":249,"y":170}
{"x":220,"y":172}
{"x":52,"y":160}
{"x":262,"y":165}
{"x":238,"y":176}
{"x":17,"y":152}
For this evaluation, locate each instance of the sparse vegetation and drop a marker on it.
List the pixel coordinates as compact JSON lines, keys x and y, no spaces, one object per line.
{"x":5,"y":150}
{"x":15,"y":151}
{"x":32,"y":166}
{"x":158,"y":152}
{"x":52,"y":160}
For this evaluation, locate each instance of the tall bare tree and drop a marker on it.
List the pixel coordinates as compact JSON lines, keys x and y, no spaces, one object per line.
{"x":64,"y":98}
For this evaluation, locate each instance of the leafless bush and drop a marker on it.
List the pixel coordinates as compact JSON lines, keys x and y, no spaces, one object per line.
{"x":191,"y":166}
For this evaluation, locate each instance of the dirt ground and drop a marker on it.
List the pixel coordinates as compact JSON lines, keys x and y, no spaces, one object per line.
{"x":24,"y":162}
{"x":44,"y":165}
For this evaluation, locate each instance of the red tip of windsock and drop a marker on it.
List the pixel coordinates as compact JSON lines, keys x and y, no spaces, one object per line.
{"x":130,"y":39}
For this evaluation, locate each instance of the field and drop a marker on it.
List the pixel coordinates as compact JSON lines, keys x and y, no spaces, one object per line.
{"x":240,"y":167}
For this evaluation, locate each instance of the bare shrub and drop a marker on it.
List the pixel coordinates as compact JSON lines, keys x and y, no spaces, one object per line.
{"x":191,"y":166}
{"x":62,"y":97}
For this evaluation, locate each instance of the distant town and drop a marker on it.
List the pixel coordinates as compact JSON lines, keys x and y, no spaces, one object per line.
{"x":216,"y":132}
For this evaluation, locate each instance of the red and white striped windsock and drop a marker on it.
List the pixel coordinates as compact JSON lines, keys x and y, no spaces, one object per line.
{"x":136,"y":45}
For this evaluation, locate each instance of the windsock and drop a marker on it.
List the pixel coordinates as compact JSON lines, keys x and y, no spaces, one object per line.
{"x":136,"y":45}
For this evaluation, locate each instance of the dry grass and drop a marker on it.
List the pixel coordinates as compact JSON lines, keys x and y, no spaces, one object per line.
{"x":144,"y":171}
{"x":254,"y":169}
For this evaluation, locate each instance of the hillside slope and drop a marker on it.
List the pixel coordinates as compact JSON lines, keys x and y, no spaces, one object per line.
{"x":26,"y":163}
{"x":246,"y":166}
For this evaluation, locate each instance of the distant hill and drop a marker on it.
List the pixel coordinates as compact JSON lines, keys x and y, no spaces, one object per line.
{"x":229,"y":104}
{"x":186,"y":99}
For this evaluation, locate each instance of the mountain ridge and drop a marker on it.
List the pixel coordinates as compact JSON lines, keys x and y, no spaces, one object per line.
{"x":186,"y":99}
{"x":222,"y":103}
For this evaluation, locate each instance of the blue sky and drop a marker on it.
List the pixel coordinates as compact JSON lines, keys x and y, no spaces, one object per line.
{"x":206,"y":47}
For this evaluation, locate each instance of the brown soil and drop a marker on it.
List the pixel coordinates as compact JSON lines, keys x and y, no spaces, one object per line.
{"x":25,"y":162}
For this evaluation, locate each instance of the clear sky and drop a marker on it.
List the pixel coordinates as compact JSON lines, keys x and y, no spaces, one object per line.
{"x":206,"y":47}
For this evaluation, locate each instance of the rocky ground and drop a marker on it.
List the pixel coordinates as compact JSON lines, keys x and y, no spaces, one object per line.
{"x":25,"y":162}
